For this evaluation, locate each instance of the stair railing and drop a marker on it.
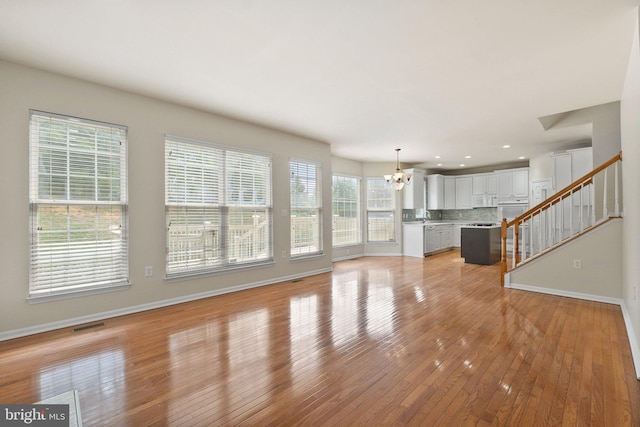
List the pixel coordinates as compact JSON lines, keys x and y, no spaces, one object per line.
{"x":567,"y":213}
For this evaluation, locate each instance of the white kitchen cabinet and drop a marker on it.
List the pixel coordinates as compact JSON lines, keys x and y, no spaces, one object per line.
{"x":431,"y":239}
{"x":446,"y":238}
{"x":491,"y":184}
{"x":567,"y":168}
{"x":521,"y":183}
{"x":414,"y":192}
{"x":478,"y":184}
{"x":413,"y":235}
{"x":449,"y":192}
{"x":438,"y":237}
{"x":505,"y":184}
{"x":513,"y":184}
{"x":435,"y":192}
{"x":581,"y":164}
{"x":464,"y":192}
{"x":457,"y":235}
{"x":561,"y":171}
{"x":484,"y":190}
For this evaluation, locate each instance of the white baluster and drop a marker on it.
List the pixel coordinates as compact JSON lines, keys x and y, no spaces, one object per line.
{"x":592,"y":199}
{"x":617,"y":202}
{"x":580,"y":221}
{"x":541,"y":223}
{"x":605,"y":213}
{"x":570,"y":214}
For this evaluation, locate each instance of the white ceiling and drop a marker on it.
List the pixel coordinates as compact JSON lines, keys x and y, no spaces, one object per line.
{"x":433,"y":77}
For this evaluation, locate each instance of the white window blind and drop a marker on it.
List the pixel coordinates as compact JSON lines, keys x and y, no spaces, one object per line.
{"x":347,"y":229}
{"x":306,"y":208}
{"x":381,"y":202}
{"x":218,"y":207}
{"x":78,"y":205}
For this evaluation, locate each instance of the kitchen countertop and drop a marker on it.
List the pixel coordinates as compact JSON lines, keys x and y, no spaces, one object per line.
{"x":445,"y":222}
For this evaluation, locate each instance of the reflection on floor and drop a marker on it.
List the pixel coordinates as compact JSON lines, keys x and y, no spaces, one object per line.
{"x":379,"y":341}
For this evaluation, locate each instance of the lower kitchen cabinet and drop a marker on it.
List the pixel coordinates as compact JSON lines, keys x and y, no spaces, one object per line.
{"x":437,"y":237}
{"x":413,"y":244}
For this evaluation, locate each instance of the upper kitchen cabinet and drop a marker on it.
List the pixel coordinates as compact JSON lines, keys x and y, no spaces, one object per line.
{"x":414,"y":192}
{"x":521,"y":183}
{"x":435,"y":185}
{"x":449,"y":192}
{"x":464,"y":192}
{"x":491,"y":184}
{"x":484,"y":190}
{"x":478,"y":184}
{"x":513,"y":184}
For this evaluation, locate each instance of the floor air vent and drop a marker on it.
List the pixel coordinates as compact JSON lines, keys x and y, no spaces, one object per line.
{"x":84,"y":328}
{"x":296,"y":280}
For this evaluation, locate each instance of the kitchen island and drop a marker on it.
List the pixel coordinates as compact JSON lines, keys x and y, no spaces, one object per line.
{"x":480,"y":244}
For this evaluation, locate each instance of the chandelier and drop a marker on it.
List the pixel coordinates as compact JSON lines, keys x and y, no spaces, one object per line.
{"x":398,"y":179}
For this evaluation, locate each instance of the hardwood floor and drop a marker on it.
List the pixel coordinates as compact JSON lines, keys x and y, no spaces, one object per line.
{"x":379,"y":341}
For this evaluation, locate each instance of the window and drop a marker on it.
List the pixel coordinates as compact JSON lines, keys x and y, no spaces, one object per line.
{"x":306,"y":208}
{"x":78,"y":205}
{"x":346,"y":211}
{"x":218,"y":207}
{"x":381,"y":204}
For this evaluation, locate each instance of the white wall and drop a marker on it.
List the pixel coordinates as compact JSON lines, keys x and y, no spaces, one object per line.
{"x":540,"y":167}
{"x":375,"y":170}
{"x":351,"y":168}
{"x":148,"y":120}
{"x":630,"y":133}
{"x":600,"y":276}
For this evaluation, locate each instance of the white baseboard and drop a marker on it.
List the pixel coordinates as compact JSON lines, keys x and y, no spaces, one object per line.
{"x":570,"y":294}
{"x":383,"y":254}
{"x":36,"y":329}
{"x":344,"y":258}
{"x":633,"y":342}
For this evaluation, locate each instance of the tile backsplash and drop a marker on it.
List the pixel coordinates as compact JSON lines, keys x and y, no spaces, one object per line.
{"x":478,"y":214}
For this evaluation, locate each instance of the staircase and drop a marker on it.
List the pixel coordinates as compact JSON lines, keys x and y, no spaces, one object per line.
{"x":583,"y":205}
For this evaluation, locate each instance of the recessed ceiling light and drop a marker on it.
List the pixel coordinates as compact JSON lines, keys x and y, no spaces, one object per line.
{"x":506,"y":146}
{"x":461,"y":165}
{"x":439,"y":164}
{"x":438,"y":157}
{"x":467,"y":157}
{"x":522,"y":157}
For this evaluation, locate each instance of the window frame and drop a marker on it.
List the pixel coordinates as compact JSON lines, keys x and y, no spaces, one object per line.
{"x":358,"y":210}
{"x":298,"y":207}
{"x":74,"y":196}
{"x":219,"y":210}
{"x":391,"y":210}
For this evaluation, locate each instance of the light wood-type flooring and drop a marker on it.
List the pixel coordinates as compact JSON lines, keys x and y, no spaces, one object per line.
{"x":380,"y":341}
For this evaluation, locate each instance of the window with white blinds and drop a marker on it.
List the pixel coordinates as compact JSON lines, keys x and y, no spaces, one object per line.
{"x":78,"y":205}
{"x":347,"y":229}
{"x":218,"y":207}
{"x":381,"y":204}
{"x":306,"y":208}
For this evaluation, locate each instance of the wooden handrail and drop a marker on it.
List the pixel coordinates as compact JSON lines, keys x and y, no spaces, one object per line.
{"x":561,"y":195}
{"x":566,"y":191}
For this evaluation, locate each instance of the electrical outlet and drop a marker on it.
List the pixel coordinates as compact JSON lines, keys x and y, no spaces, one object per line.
{"x":577,"y":263}
{"x":148,"y":271}
{"x":284,"y":254}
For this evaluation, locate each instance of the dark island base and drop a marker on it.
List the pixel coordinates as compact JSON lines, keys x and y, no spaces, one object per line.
{"x":480,"y":245}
